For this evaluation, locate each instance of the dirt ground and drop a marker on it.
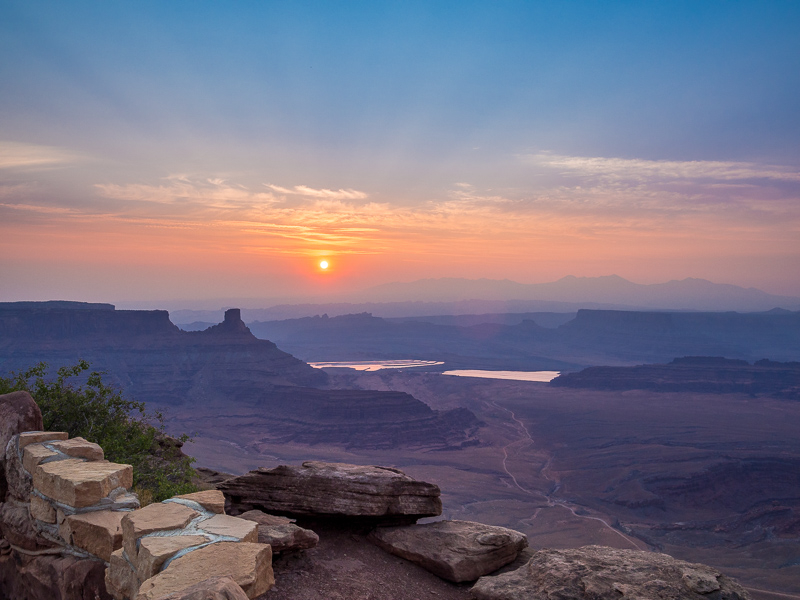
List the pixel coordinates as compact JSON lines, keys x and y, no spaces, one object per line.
{"x":345,"y":566}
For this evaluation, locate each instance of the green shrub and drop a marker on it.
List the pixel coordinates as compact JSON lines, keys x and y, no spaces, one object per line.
{"x":123,"y":428}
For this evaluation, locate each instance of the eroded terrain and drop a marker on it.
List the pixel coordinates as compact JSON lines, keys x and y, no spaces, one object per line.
{"x":704,"y":477}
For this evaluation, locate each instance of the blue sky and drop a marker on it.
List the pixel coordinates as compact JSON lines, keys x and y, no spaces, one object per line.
{"x":654,"y":140}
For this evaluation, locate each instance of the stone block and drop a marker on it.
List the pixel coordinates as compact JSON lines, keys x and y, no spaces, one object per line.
{"x":249,"y":565}
{"x":37,"y":437}
{"x":155,"y":551}
{"x":121,"y":580}
{"x":154,"y":517}
{"x":79,"y":483}
{"x":34,"y":454}
{"x":241,"y":529}
{"x":281,"y":533}
{"x":211,"y":500}
{"x":454,"y":550}
{"x":213,"y":588}
{"x":79,"y":448}
{"x":42,"y":510}
{"x":98,"y":532}
{"x":375,"y":494}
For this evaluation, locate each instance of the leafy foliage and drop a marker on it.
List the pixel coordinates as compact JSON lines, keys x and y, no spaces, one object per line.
{"x":123,"y":428}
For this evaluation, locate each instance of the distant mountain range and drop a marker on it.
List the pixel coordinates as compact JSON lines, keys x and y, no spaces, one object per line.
{"x":452,"y":296}
{"x":687,"y":294}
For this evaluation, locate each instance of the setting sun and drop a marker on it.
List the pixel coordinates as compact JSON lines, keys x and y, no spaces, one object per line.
{"x":323,"y":264}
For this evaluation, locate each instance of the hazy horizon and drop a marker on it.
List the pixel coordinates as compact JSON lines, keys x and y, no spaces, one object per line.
{"x":158,"y":152}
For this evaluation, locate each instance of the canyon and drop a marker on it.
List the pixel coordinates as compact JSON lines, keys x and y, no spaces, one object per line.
{"x":705,"y":474}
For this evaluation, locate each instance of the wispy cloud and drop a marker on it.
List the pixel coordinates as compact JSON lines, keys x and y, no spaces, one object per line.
{"x":17,"y":155}
{"x":309,"y":192}
{"x":648,"y":170}
{"x":205,"y":194}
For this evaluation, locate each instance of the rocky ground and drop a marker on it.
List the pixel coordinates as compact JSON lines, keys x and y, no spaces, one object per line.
{"x":575,"y":467}
{"x":345,"y":566}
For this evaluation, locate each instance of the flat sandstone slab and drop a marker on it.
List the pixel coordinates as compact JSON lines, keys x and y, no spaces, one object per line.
{"x":249,"y":565}
{"x":163,"y":516}
{"x":98,"y":532}
{"x":454,"y":550}
{"x":241,"y":529}
{"x":155,"y":551}
{"x":603,"y":573}
{"x":79,"y":448}
{"x":36,"y":437}
{"x":211,"y":500}
{"x":334,"y":489}
{"x":79,"y":483}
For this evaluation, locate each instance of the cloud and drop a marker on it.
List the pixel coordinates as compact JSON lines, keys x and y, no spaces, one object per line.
{"x":309,"y":192}
{"x":212,"y":193}
{"x":15,"y":155}
{"x":661,"y":170}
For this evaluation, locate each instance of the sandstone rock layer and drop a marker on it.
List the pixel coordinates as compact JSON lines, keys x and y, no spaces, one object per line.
{"x":601,"y":573}
{"x":454,"y":550}
{"x":248,"y":564}
{"x":334,"y":490}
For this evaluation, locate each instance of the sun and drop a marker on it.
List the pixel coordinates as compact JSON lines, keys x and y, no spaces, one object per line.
{"x":323,"y":264}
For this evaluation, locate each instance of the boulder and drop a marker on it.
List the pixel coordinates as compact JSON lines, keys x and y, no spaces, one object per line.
{"x":18,"y":413}
{"x":78,"y":483}
{"x":601,"y":573}
{"x":324,"y":489}
{"x":248,"y":564}
{"x":154,"y":517}
{"x":454,"y":550}
{"x":281,"y":533}
{"x":214,"y":588}
{"x":98,"y":532}
{"x":211,"y":500}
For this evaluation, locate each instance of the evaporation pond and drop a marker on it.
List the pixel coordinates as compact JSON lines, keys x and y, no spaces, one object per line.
{"x":542,"y":376}
{"x":376,"y":365}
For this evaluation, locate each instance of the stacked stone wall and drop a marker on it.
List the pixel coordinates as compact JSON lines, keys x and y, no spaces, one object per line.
{"x":72,"y":529}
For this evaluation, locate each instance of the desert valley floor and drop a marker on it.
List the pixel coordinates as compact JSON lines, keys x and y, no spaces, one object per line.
{"x":711,"y":478}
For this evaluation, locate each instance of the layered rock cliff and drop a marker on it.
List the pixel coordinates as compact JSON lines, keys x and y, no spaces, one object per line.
{"x":223,"y":375}
{"x":705,"y":374}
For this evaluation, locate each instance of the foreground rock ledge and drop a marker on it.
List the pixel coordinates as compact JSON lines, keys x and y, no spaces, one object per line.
{"x":335,"y":490}
{"x":601,"y":573}
{"x":454,"y":550}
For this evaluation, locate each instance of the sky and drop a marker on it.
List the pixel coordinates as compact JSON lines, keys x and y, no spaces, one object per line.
{"x":183,"y":151}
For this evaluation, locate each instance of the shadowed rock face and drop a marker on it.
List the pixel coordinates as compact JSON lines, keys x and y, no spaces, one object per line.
{"x":224,"y":376}
{"x":18,"y":413}
{"x":702,"y":374}
{"x":148,"y":356}
{"x":601,"y":573}
{"x":376,"y":494}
